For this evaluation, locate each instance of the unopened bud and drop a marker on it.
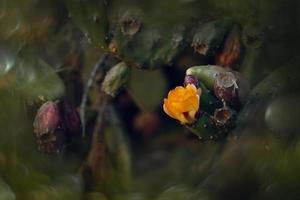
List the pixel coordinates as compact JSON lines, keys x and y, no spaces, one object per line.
{"x":47,"y":119}
{"x":189,"y":79}
{"x":48,"y":128}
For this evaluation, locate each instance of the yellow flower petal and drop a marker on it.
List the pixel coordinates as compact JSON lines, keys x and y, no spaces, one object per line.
{"x":167,"y":110}
{"x":182,"y":103}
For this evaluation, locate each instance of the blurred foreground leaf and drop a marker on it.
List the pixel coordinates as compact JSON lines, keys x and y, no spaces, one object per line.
{"x":147,"y":88}
{"x":36,"y":78}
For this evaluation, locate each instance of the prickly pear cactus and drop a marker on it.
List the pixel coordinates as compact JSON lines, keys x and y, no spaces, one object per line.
{"x":91,"y":17}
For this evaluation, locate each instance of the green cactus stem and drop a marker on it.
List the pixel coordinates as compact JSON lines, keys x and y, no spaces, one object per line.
{"x":208,"y":101}
{"x":215,"y":126}
{"x":209,"y":36}
{"x":91,"y":18}
{"x":206,"y":73}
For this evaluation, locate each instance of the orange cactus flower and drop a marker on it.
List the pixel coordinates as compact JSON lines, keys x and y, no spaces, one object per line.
{"x":183,"y":103}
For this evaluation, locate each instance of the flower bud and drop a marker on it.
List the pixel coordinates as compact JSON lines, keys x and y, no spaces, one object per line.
{"x":48,"y":128}
{"x":47,"y":119}
{"x":189,"y":79}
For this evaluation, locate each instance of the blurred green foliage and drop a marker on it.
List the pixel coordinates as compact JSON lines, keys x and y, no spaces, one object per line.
{"x":150,"y":90}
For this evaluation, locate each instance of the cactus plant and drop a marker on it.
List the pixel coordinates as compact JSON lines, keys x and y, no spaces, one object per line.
{"x":113,"y":61}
